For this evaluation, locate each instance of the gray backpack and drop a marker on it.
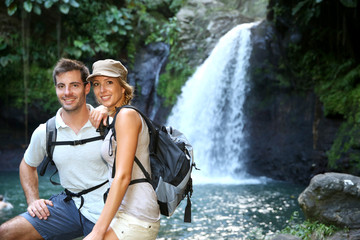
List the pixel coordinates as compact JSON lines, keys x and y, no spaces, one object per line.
{"x":171,"y":161}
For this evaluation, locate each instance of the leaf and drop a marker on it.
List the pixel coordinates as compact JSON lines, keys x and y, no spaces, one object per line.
{"x":37,"y":9}
{"x":349,"y":3}
{"x":115,"y":28}
{"x":109,"y":18}
{"x":48,"y":4}
{"x":12,"y":9}
{"x":78,"y":43}
{"x":64,"y":8}
{"x":28,"y":6}
{"x":8,"y":2}
{"x":297,"y":8}
{"x":122,"y":32}
{"x":74,"y":4}
{"x":3,"y":61}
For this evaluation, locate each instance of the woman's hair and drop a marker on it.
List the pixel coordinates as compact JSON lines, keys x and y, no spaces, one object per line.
{"x":66,"y":65}
{"x":129,"y":90}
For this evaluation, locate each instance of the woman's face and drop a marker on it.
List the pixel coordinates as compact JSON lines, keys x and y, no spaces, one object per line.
{"x":108,"y":91}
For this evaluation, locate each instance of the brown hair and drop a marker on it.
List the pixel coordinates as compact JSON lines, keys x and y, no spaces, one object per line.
{"x":67,"y":65}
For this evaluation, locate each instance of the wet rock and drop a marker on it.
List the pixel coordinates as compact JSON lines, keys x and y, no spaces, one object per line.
{"x":285,"y":237}
{"x":333,"y":199}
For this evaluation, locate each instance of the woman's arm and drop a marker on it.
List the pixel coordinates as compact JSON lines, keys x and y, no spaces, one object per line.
{"x":127,"y":126}
{"x":97,"y":115}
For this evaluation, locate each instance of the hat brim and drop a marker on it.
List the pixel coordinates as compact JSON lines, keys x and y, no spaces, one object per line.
{"x":102,"y":73}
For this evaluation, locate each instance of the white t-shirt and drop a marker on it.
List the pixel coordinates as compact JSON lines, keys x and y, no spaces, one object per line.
{"x":140,"y":199}
{"x":80,"y":167}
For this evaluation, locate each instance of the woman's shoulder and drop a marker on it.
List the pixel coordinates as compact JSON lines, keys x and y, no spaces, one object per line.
{"x":128,"y":115}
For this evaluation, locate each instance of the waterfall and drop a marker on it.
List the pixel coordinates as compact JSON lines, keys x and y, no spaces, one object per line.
{"x":209,"y":110}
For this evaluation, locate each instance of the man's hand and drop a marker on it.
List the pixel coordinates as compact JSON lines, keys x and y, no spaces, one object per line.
{"x":39,"y":208}
{"x":97,"y":115}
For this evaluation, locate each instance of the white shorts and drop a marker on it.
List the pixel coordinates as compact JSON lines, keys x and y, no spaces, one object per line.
{"x":128,"y":227}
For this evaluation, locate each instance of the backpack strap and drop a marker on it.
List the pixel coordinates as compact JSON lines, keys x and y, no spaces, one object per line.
{"x":70,"y":195}
{"x":51,"y":134}
{"x":152,"y":132}
{"x":76,"y":142}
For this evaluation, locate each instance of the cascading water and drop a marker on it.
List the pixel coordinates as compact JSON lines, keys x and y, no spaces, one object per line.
{"x":209,"y":110}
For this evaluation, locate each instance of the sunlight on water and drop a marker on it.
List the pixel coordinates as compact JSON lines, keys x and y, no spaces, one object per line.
{"x":233,"y":212}
{"x":219,"y":211}
{"x":201,"y":179}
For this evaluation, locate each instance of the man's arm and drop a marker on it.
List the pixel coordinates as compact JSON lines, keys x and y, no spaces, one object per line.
{"x":30,"y":184}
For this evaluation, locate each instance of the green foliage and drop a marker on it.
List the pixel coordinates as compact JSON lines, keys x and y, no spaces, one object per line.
{"x":35,"y":5}
{"x":308,"y":229}
{"x":306,"y":10}
{"x":80,"y":29}
{"x":346,"y":145}
{"x":339,"y":89}
{"x":324,"y":61}
{"x":171,"y":81}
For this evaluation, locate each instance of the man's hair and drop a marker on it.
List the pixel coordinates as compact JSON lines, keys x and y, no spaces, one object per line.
{"x":66,"y":65}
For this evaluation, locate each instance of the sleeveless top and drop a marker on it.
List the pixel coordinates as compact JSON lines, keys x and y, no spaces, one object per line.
{"x":140,"y":199}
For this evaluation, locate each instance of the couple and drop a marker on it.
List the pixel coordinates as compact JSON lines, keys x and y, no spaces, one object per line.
{"x":130,"y":211}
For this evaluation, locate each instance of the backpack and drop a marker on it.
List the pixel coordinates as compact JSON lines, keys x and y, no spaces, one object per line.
{"x":171,"y":162}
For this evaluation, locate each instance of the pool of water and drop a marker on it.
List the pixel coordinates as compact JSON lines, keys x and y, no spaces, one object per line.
{"x":219,"y":211}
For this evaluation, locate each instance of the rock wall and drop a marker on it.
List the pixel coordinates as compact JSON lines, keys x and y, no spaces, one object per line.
{"x":287,"y":132}
{"x":204,"y":22}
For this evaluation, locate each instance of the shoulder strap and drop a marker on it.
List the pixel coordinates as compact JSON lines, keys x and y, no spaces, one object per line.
{"x":152,"y":129}
{"x":51,"y":134}
{"x":50,"y":137}
{"x":152,"y":149}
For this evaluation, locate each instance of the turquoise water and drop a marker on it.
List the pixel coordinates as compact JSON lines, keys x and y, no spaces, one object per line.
{"x":219,"y":211}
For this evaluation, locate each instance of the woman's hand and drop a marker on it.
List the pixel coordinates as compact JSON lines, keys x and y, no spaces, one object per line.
{"x":94,"y":236}
{"x":97,"y":115}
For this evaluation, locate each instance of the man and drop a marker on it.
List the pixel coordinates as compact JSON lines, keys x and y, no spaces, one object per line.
{"x":63,"y":216}
{"x":4,"y":205}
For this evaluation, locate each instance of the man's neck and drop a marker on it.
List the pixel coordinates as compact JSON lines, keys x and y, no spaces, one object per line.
{"x":76,"y":119}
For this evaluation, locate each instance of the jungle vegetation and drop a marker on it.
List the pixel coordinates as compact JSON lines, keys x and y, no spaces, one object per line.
{"x":34,"y":34}
{"x":326,"y":60}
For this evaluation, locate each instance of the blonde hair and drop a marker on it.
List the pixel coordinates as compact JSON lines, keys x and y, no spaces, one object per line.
{"x":129,"y":91}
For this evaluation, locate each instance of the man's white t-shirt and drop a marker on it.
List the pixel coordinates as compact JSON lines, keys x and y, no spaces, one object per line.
{"x":80,"y":167}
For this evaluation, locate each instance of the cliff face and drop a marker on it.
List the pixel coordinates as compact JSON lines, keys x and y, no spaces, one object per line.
{"x":287,"y":132}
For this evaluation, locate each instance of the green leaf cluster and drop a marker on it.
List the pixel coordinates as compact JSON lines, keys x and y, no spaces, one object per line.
{"x":308,"y":229}
{"x":36,"y":5}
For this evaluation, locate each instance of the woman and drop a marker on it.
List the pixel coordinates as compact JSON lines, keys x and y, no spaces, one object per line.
{"x":130,"y":211}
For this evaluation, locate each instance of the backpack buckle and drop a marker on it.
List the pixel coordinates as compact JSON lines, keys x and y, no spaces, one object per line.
{"x":77,"y":142}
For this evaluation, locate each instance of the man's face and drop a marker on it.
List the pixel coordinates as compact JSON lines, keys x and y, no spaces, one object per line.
{"x":71,"y":91}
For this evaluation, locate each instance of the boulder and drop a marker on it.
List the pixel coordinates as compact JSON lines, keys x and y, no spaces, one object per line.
{"x":285,"y":237}
{"x":333,"y":199}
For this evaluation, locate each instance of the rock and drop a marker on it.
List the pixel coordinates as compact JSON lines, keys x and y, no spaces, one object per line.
{"x":285,"y":237}
{"x":345,"y":235}
{"x":333,"y":199}
{"x":204,"y":22}
{"x":149,"y":62}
